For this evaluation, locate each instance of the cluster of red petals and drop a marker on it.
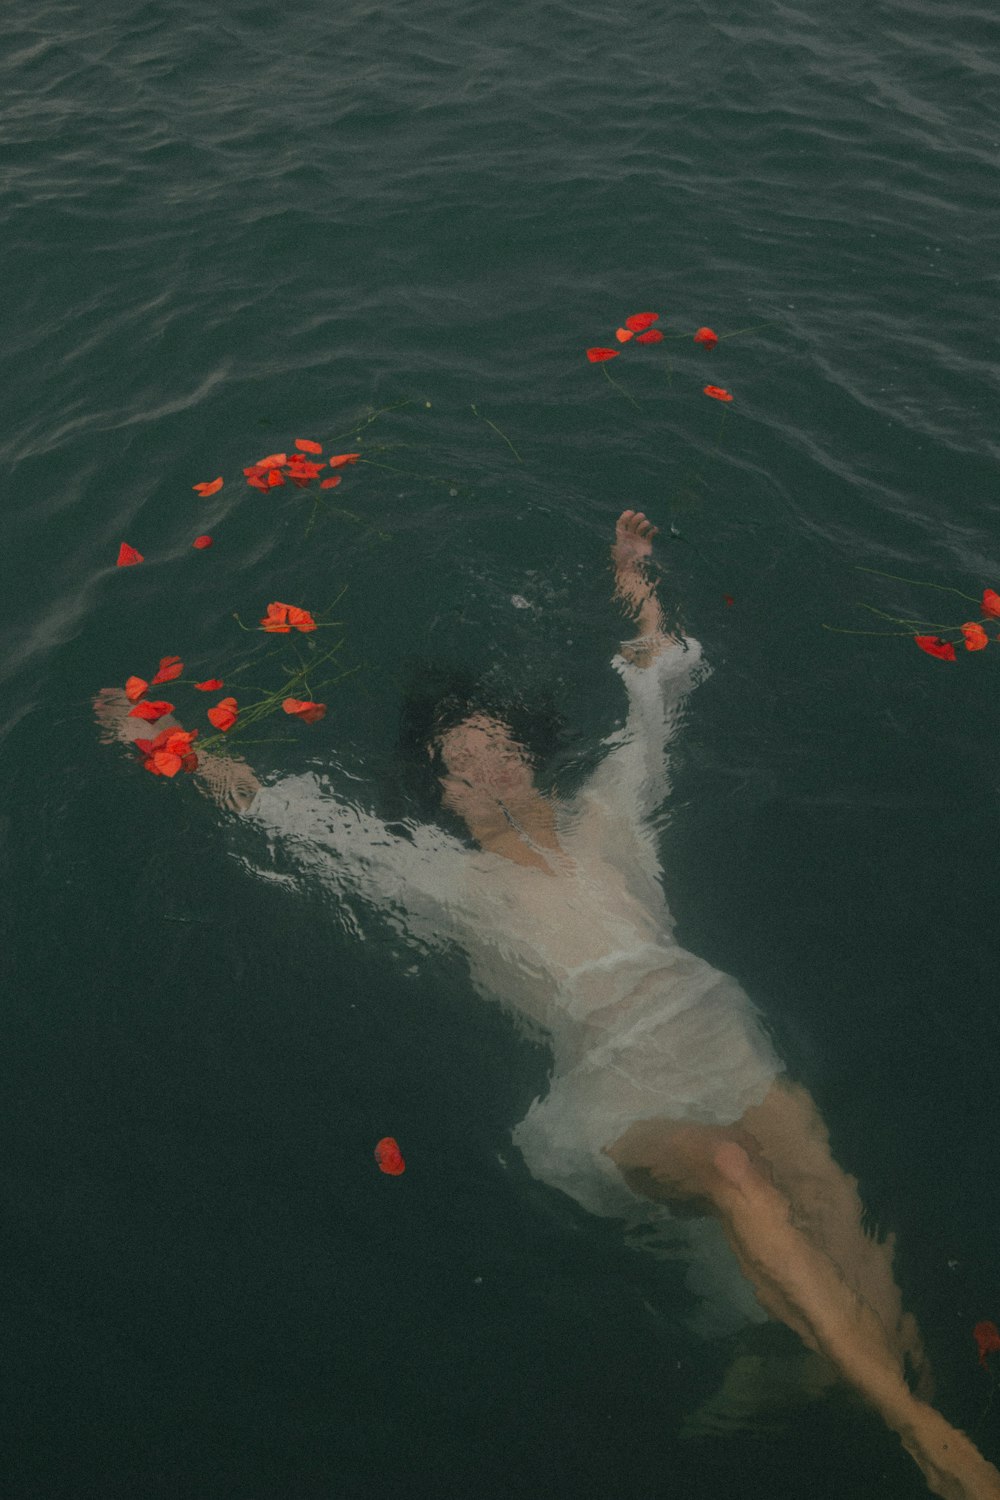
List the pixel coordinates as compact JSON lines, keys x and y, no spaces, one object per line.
{"x":128,"y":556}
{"x":636,"y":323}
{"x":717,"y":393}
{"x":273,"y":470}
{"x":974,"y":636}
{"x":707,"y":337}
{"x":281,"y":618}
{"x":389,"y":1157}
{"x":987,"y":1337}
{"x":308,"y":712}
{"x":170,"y":752}
{"x":201,"y":542}
{"x":224,"y":714}
{"x":169,"y":669}
{"x":151,"y":710}
{"x":208,"y":487}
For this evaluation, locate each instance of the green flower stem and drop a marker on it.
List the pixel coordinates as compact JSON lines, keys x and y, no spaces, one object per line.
{"x":620,"y":388}
{"x":477,"y":413}
{"x":921,"y":583}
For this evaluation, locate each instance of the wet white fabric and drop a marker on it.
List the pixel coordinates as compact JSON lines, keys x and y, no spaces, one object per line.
{"x":583,"y":950}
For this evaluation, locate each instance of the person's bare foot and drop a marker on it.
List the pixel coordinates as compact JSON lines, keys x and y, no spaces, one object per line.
{"x":634,"y":534}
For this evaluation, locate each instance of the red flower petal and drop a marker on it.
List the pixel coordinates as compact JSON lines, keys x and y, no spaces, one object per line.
{"x":134,"y":688}
{"x":597,"y":356}
{"x":987,"y":1337}
{"x":201,"y":542}
{"x":257,"y":480}
{"x":128,"y":556}
{"x":623,"y":335}
{"x":389,"y":1157}
{"x":328,"y":484}
{"x":309,"y":713}
{"x":652,"y":336}
{"x":170,"y":667}
{"x":164,"y":763}
{"x":208,"y":487}
{"x":975,"y":636}
{"x":991,"y":602}
{"x":224,"y":714}
{"x":729,"y":600}
{"x":638,"y":321}
{"x":272,"y":461}
{"x":150,"y":711}
{"x":935,"y":646}
{"x":276,"y":619}
{"x":717,"y":393}
{"x":274,"y":478}
{"x":210,"y":685}
{"x":339,"y":459}
{"x":306,"y":445}
{"x":301,"y":619}
{"x":707,"y":337}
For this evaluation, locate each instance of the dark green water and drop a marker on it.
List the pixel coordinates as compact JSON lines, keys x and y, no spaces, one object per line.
{"x":225,"y":227}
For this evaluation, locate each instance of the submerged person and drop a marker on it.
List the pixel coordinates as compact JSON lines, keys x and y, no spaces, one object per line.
{"x":664,"y":1089}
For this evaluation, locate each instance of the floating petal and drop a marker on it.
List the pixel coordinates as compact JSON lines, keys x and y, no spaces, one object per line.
{"x":128,"y":556}
{"x":389,"y":1157}
{"x":935,"y":646}
{"x":638,"y":321}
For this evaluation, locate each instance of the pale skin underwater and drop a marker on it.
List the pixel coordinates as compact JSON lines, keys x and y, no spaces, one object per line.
{"x":792,"y":1216}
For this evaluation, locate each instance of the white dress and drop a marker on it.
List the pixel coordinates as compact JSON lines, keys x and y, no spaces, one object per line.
{"x":584,"y":951}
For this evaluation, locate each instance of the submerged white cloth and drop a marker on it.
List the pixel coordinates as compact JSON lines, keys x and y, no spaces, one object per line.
{"x":583,"y":950}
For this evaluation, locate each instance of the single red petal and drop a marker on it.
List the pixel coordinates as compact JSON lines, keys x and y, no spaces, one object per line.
{"x":597,"y":356}
{"x":128,"y":556}
{"x":328,"y":484}
{"x":389,"y":1157}
{"x":991,"y":602}
{"x":272,"y":461}
{"x":224,"y":714}
{"x":165,"y":762}
{"x":652,"y":336}
{"x":623,"y":335}
{"x":339,"y":459}
{"x":189,"y":762}
{"x":306,"y":445}
{"x":257,"y":480}
{"x":717,"y":393}
{"x":935,"y":646}
{"x":638,"y":321}
{"x":274,"y":478}
{"x":201,"y":542}
{"x":975,"y":636}
{"x":987,"y":1337}
{"x":309,"y":713}
{"x":728,"y":598}
{"x":208,"y":487}
{"x":134,"y":688}
{"x":301,"y":619}
{"x":150,"y":711}
{"x":707,"y":337}
{"x":210,"y":685}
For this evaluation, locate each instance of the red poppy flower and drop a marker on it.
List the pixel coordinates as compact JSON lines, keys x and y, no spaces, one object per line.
{"x":975,"y":636}
{"x":134,"y":688}
{"x":597,"y":356}
{"x":987,"y":1337}
{"x":638,"y":321}
{"x":128,"y":556}
{"x":150,"y":711}
{"x":210,"y":685}
{"x":208,"y":487}
{"x":623,"y":335}
{"x":309,"y":713}
{"x":651,"y":336}
{"x":170,"y":667}
{"x":306,"y":445}
{"x":991,"y":602}
{"x":707,"y":337}
{"x":224,"y":714}
{"x":170,"y":752}
{"x":328,"y":484}
{"x":717,"y":393}
{"x":389,"y":1157}
{"x":935,"y":646}
{"x":201,"y":542}
{"x":339,"y":459}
